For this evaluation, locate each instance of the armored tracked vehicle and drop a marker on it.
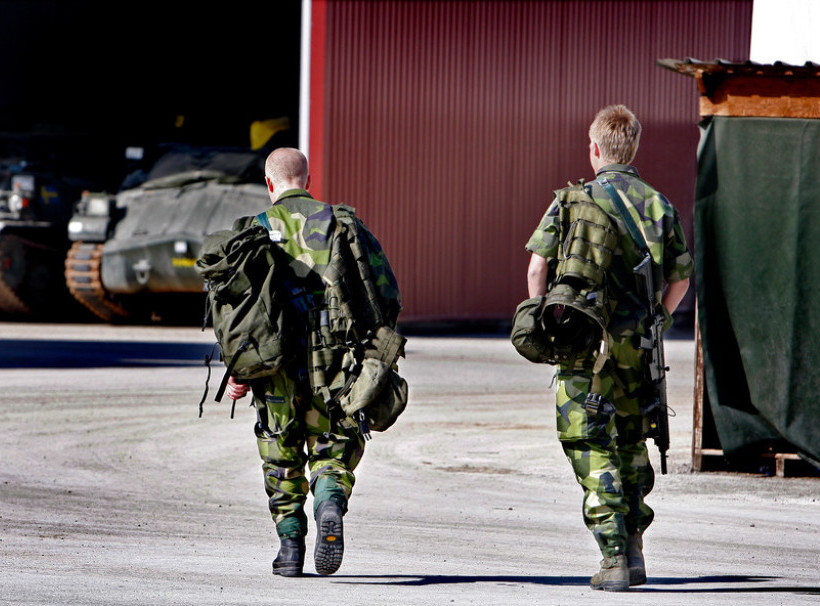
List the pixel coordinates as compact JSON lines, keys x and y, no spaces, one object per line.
{"x":132,"y":254}
{"x":41,"y":176}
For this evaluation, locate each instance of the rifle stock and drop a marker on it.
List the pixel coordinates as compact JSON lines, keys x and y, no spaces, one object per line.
{"x":654,"y":362}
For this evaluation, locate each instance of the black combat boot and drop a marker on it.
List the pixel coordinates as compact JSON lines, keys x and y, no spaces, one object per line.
{"x":290,"y":560}
{"x":330,"y":544}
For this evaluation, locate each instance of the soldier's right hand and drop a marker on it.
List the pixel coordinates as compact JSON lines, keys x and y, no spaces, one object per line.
{"x":236,"y":390}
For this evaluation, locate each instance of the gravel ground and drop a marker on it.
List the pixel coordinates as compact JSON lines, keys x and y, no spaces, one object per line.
{"x":113,"y":491}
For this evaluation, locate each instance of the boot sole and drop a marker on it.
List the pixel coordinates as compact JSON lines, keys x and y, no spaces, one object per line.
{"x":329,"y":545}
{"x":611,"y":586}
{"x":287,"y":571}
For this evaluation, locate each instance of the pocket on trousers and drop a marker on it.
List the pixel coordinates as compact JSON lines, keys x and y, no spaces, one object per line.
{"x":576,"y":417}
{"x":277,"y":417}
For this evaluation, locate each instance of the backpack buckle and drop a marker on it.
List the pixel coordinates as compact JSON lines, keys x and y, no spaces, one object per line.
{"x":594,"y":403}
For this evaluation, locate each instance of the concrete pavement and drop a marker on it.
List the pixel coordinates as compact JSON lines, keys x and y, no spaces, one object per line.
{"x":113,"y":490}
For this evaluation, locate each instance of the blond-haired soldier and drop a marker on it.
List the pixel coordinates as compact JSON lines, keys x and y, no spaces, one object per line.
{"x":606,"y":445}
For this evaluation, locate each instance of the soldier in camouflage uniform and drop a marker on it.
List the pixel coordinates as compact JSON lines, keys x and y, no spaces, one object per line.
{"x":294,"y":427}
{"x":607,"y":447}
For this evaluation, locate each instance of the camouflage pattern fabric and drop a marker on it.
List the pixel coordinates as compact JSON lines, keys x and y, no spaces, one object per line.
{"x":293,"y":427}
{"x":606,"y":447}
{"x":656,"y":218}
{"x":387,"y":295}
{"x":304,"y":225}
{"x":294,"y":430}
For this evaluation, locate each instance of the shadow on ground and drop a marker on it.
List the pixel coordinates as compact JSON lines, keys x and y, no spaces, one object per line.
{"x":718,"y":584}
{"x":23,"y":353}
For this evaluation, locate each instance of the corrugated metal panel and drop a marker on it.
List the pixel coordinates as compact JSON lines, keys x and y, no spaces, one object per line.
{"x":448,"y":124}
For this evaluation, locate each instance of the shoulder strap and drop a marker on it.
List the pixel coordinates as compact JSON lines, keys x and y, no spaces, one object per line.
{"x":263,"y":220}
{"x":624,"y":213}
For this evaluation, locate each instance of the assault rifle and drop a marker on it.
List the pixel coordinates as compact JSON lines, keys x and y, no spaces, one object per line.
{"x":654,"y":362}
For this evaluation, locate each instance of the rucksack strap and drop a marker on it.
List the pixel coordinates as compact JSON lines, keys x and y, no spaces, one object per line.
{"x":263,"y":220}
{"x":223,"y":385}
{"x":208,"y":358}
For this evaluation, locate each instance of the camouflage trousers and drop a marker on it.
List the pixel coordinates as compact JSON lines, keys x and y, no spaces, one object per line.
{"x":293,"y":430}
{"x":606,"y":446}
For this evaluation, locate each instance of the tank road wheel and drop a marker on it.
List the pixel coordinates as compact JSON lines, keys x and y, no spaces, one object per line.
{"x":32,"y":281}
{"x":83,"y":277}
{"x":12,"y":272}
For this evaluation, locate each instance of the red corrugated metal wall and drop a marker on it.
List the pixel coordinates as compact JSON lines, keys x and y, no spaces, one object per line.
{"x":448,"y":124}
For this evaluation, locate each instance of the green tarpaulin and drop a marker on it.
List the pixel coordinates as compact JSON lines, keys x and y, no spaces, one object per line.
{"x":757,"y":233}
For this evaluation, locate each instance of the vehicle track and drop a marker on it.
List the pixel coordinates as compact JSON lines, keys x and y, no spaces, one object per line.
{"x":84,"y":281}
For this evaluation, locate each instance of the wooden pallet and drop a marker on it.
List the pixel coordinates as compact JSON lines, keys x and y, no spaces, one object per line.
{"x":780,"y":463}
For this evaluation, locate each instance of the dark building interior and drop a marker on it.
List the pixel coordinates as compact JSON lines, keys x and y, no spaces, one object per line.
{"x":138,"y":73}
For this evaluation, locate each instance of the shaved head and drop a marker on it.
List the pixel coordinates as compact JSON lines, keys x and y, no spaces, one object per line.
{"x":286,"y":168}
{"x":286,"y":164}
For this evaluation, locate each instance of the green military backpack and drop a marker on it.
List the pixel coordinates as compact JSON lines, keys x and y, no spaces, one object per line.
{"x":571,"y":319}
{"x":354,"y":346}
{"x":243,"y":271}
{"x":347,"y":333}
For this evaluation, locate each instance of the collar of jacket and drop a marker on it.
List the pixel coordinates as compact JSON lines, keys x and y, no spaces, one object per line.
{"x":293,"y":193}
{"x":617,"y":168}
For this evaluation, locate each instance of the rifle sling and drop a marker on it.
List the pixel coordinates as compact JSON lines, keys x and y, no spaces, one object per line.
{"x":625,"y":216}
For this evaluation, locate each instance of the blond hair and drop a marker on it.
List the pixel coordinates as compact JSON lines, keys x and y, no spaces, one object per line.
{"x":617,"y":132}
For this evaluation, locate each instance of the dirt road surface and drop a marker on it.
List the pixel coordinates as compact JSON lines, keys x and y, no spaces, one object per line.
{"x":114,"y":492}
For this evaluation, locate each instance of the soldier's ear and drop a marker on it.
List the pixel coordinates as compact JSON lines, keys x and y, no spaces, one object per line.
{"x":307,"y":182}
{"x":269,"y":183}
{"x":593,"y":147}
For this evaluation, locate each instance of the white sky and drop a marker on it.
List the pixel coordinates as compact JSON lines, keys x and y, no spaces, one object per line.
{"x":786,"y":30}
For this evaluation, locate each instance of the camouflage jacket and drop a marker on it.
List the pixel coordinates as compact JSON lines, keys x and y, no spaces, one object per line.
{"x":305,"y":228}
{"x":660,"y":224}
